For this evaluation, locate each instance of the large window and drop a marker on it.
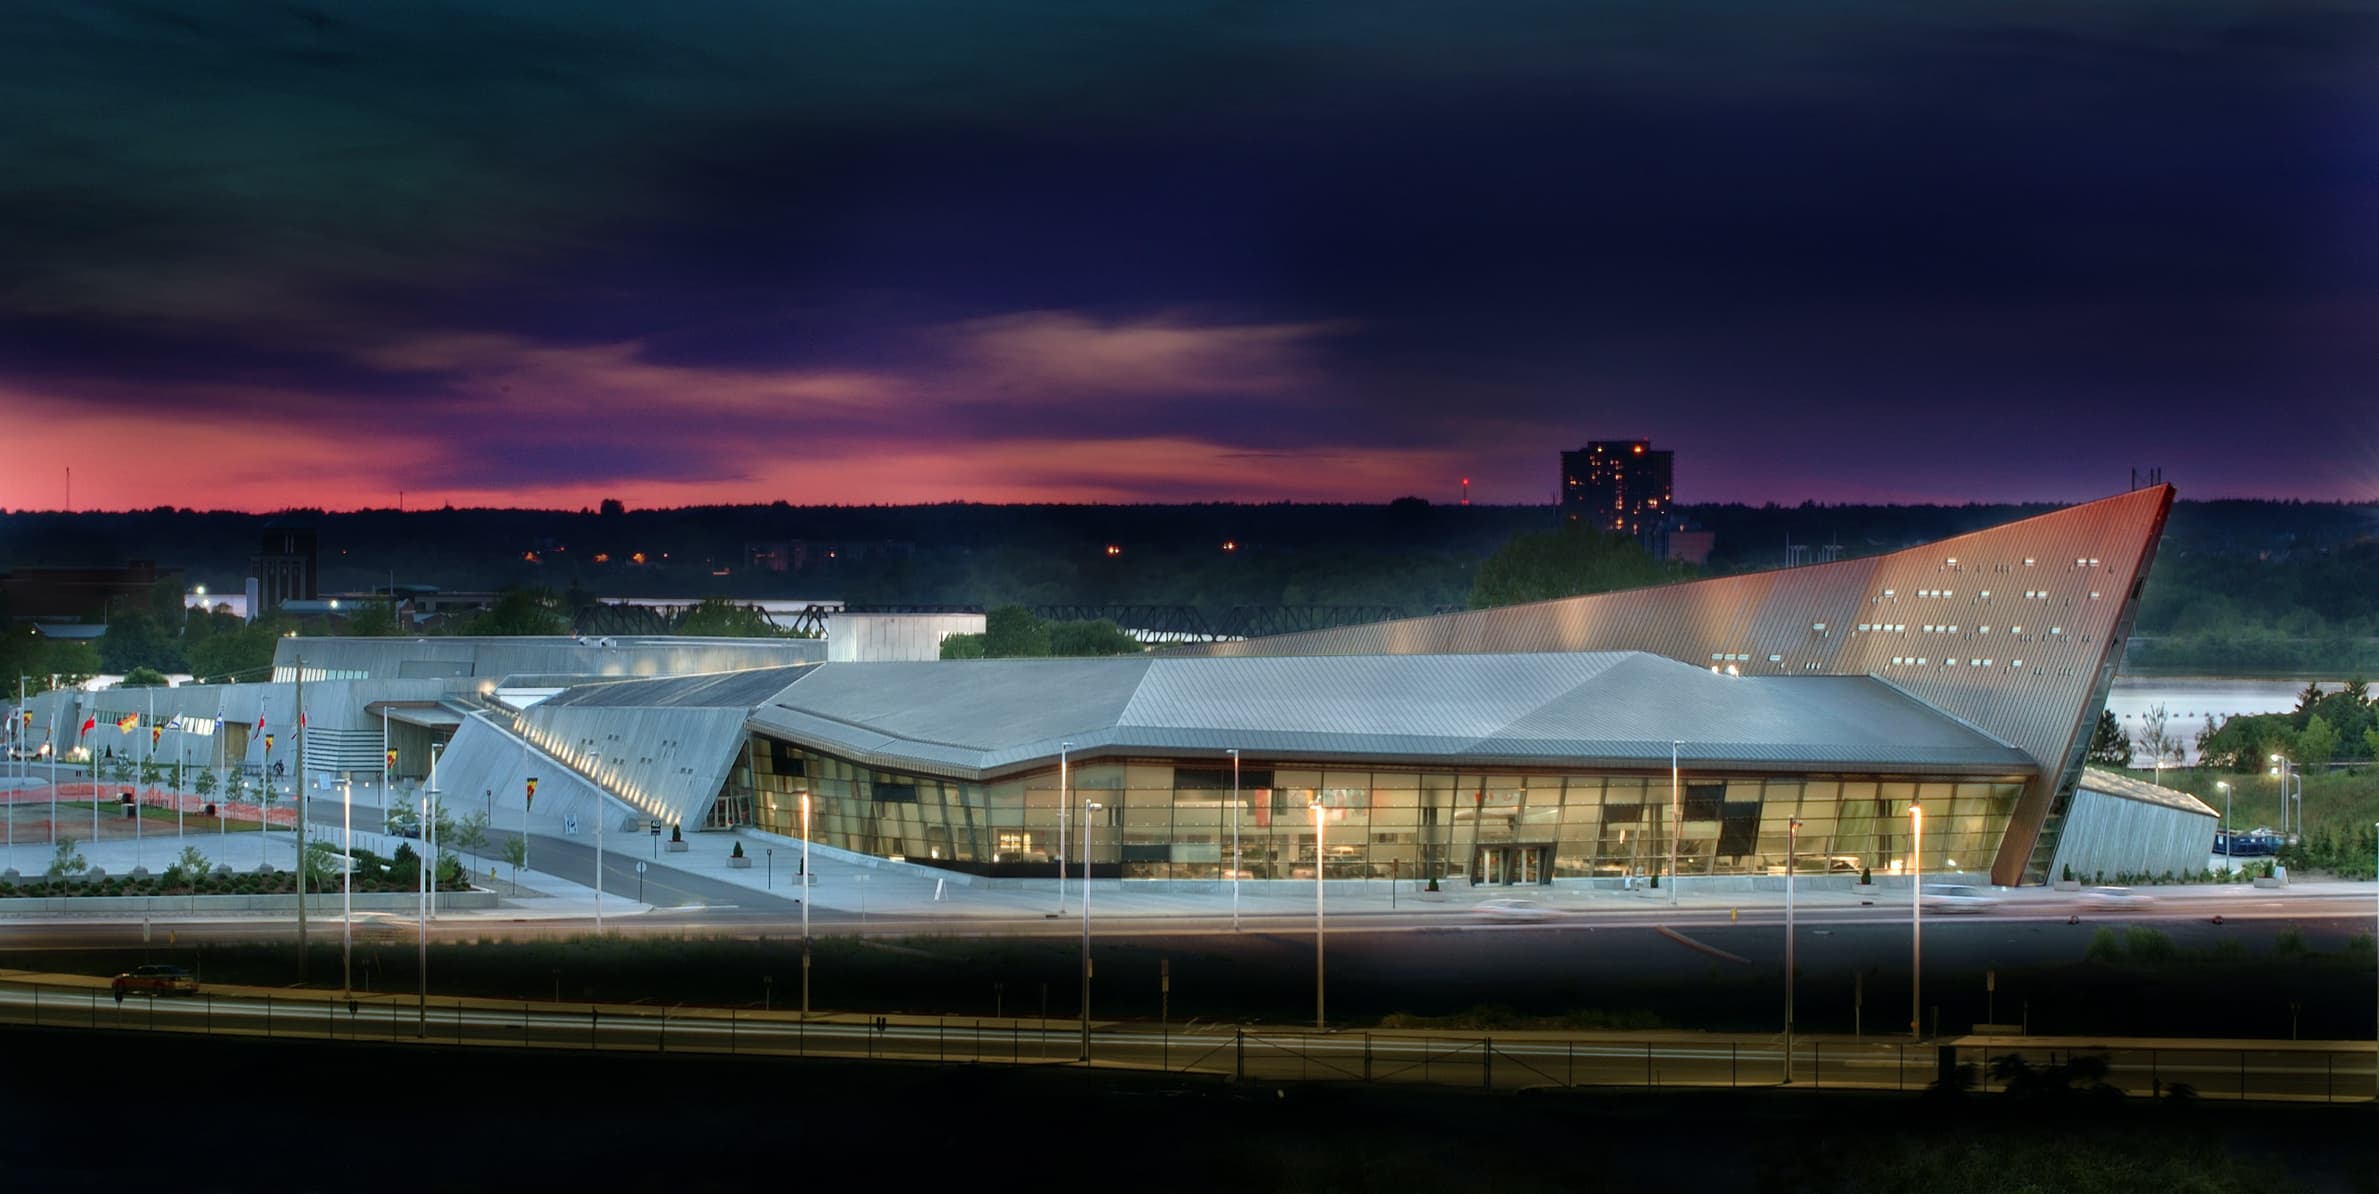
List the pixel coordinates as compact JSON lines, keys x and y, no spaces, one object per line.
{"x":1160,"y":820}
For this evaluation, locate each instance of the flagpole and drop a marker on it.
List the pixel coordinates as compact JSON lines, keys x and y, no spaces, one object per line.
{"x":53,"y":778}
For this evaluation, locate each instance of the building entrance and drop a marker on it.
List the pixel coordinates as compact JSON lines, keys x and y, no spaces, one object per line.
{"x":1510,"y":866}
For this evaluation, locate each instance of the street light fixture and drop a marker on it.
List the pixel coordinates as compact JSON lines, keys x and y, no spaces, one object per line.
{"x":1676,"y":817}
{"x":1792,"y":845}
{"x":2229,"y":845}
{"x":1065,"y":798}
{"x":1321,"y":855}
{"x":1916,"y":921}
{"x":1234,"y":753}
{"x":1088,"y":807}
{"x":805,"y":905}
{"x":2286,"y":769}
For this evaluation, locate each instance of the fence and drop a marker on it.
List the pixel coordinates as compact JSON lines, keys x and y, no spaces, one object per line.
{"x":2289,"y":1071}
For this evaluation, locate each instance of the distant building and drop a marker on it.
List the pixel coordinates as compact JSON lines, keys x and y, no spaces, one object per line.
{"x":286,"y":568}
{"x":796,"y":555}
{"x":1690,"y":545}
{"x":79,"y":594}
{"x":1623,"y":486}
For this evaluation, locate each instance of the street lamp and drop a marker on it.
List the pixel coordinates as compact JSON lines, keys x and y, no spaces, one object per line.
{"x":2286,"y":769}
{"x":1792,"y":843}
{"x":1321,"y":855}
{"x":1916,"y":921}
{"x":2229,"y":846}
{"x":347,"y":888}
{"x":1088,"y":807}
{"x":805,"y":905}
{"x":1064,"y":799}
{"x":1676,"y":817}
{"x":1234,"y":753}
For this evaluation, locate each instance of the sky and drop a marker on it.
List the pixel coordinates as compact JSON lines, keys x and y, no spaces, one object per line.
{"x":268,"y":255}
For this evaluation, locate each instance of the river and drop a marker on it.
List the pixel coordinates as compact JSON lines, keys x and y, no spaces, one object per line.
{"x":2189,"y":701}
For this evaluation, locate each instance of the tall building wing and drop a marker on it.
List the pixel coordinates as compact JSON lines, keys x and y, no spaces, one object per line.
{"x":2016,"y":630}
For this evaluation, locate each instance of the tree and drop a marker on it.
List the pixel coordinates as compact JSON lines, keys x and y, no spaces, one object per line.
{"x":516,"y":856}
{"x":2317,"y":744}
{"x":522,"y":612}
{"x":320,"y":865}
{"x":1100,"y":637}
{"x":2156,"y":739}
{"x":1569,"y":561}
{"x":470,"y":834}
{"x":205,"y":783}
{"x":188,"y":869}
{"x":1012,"y":632}
{"x":372,"y":619}
{"x":66,"y":860}
{"x":145,"y":677}
{"x":717,"y":617}
{"x":135,"y":640}
{"x":2108,"y":746}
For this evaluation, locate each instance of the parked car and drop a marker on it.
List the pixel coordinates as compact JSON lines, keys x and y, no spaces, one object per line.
{"x":2116,"y":898}
{"x":155,"y":980}
{"x":1958,"y":897}
{"x":1513,"y":908}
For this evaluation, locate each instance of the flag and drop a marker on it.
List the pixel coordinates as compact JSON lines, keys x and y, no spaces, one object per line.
{"x":126,"y":722}
{"x":531,"y":798}
{"x":89,"y":724}
{"x":268,"y":744}
{"x":260,"y":723}
{"x":392,"y":758}
{"x":155,"y":732}
{"x":301,"y":721}
{"x":176,"y":723}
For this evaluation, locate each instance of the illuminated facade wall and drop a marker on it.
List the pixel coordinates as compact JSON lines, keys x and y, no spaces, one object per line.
{"x":1163,"y":820}
{"x":2015,"y":630}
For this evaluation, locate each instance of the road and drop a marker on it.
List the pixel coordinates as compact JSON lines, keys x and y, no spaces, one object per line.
{"x":1505,"y":1061}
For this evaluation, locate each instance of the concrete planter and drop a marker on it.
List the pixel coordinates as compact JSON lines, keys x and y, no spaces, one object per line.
{"x":678,"y":847}
{"x":2272,"y":884}
{"x":1866,"y":892}
{"x":741,"y":864}
{"x":2069,"y":885}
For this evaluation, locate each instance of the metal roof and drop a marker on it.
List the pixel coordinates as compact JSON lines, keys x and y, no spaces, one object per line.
{"x":2110,"y":783}
{"x":736,"y":690}
{"x":976,"y":719}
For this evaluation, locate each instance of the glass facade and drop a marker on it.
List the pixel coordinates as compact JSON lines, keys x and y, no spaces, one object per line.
{"x":1162,"y":819}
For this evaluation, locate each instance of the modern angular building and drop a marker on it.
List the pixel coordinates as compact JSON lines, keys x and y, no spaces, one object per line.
{"x":1682,"y":730}
{"x":1593,"y":736}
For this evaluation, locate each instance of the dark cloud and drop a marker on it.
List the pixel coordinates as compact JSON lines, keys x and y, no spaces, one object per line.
{"x":1806,"y":244}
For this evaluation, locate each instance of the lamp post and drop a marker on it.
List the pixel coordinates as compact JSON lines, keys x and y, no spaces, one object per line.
{"x":2285,"y":768}
{"x":428,"y":869}
{"x":347,"y":888}
{"x":2229,"y":847}
{"x":805,"y":905}
{"x":1916,"y":921}
{"x":1320,"y":865}
{"x":1792,"y":842}
{"x":1064,"y":799}
{"x":1234,"y":839}
{"x":1676,"y":817}
{"x":1088,"y":807}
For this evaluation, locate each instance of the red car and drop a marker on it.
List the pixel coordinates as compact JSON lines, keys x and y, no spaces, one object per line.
{"x":155,"y":980}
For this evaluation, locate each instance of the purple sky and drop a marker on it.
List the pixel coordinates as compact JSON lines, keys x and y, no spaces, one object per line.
{"x":541,"y":254}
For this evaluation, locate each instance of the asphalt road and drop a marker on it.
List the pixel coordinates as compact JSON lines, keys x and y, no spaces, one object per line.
{"x":1476,"y":1060}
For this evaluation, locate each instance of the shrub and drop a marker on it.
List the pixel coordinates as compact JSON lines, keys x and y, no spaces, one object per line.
{"x":2067,"y":875}
{"x":2290,"y":942}
{"x":2105,"y":947}
{"x":1866,"y":874}
{"x":2148,"y":945}
{"x":738,"y":850}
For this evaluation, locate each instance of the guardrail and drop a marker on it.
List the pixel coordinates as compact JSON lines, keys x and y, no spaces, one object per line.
{"x":2281,"y":1071}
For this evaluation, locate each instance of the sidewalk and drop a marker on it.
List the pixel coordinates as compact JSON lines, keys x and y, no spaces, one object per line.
{"x":540,"y":896}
